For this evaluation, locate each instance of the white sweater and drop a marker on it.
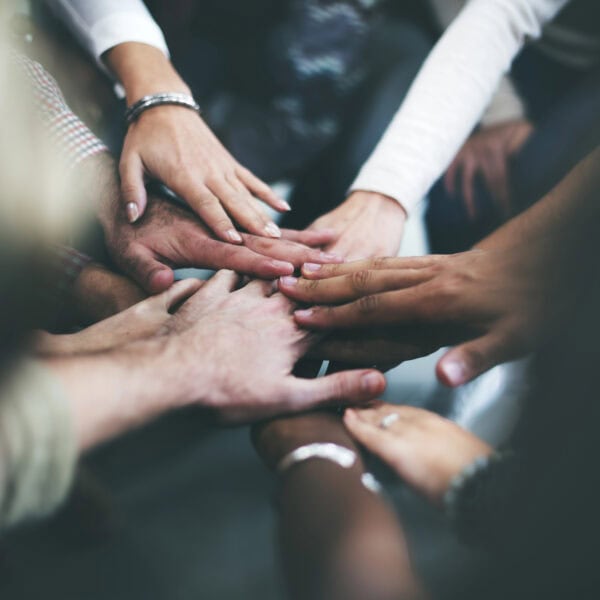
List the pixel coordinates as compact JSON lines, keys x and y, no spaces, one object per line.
{"x":444,"y":104}
{"x":450,"y":94}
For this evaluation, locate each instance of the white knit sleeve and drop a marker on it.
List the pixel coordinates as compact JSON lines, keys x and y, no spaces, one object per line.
{"x":449,"y":95}
{"x":103,"y":24}
{"x":38,"y":449}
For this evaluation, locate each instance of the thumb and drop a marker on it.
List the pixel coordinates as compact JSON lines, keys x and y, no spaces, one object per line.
{"x":152,"y":275}
{"x":347,"y":387}
{"x":180,"y":291}
{"x":133,"y":190}
{"x":466,"y":361}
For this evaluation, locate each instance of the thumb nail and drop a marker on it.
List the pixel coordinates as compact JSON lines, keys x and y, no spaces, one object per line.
{"x":454,"y":372}
{"x":133,"y":212}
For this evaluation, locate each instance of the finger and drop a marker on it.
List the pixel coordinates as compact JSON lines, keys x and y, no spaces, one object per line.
{"x":450,"y":176}
{"x":346,"y":387}
{"x":322,"y":271}
{"x":383,"y":443}
{"x":261,"y":190}
{"x":204,"y":203}
{"x":240,"y":205}
{"x":352,"y":286}
{"x":142,"y":266}
{"x":180,"y":291}
{"x":310,"y":237}
{"x":466,"y":361}
{"x":263,"y":289}
{"x":221,"y":284}
{"x":400,"y":307}
{"x":133,"y":189}
{"x":469,"y":169}
{"x":214,"y":254}
{"x":496,"y":177}
{"x":292,"y":252}
{"x":375,"y":414}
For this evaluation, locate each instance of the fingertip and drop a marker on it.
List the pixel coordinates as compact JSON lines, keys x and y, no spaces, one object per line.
{"x":305,"y":315}
{"x":133,"y":212}
{"x":272,"y":230}
{"x":160,"y":280}
{"x":281,"y":268}
{"x":451,"y":372}
{"x":373,"y":383}
{"x":232,"y":236}
{"x":309,"y":270}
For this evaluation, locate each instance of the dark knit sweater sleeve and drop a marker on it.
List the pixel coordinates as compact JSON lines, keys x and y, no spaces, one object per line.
{"x":480,"y":501}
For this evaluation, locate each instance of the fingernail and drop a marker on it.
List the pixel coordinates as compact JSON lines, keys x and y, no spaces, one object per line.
{"x":282,"y":267}
{"x":284,"y":205}
{"x":133,"y":212}
{"x":311,"y":267}
{"x":305,"y":313}
{"x":330,"y":256}
{"x":273,"y":230}
{"x":370,"y":382}
{"x":289,"y":281}
{"x":234,"y":236}
{"x":454,"y":371}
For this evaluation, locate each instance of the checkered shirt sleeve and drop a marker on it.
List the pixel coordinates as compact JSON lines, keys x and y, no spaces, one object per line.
{"x":70,"y":136}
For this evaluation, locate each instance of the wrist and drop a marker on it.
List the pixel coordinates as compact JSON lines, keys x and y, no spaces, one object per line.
{"x":379,"y":200}
{"x":109,"y":393}
{"x":144,"y":70}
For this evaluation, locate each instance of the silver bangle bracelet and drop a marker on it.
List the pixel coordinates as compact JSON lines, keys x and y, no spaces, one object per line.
{"x":161,"y":99}
{"x":334,"y":453}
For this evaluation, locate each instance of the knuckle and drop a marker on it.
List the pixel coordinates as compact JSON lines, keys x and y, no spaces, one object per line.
{"x":382,"y":262}
{"x":368,"y":304}
{"x":311,"y":285}
{"x":359,"y":280}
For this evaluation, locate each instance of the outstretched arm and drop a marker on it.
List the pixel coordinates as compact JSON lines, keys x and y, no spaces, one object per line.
{"x":495,"y":303}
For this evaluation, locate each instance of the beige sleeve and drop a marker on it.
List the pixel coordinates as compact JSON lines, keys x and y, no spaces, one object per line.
{"x":38,"y":450}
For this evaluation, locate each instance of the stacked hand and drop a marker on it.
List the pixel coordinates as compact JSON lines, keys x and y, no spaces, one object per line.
{"x":489,"y":302}
{"x":424,"y":449}
{"x":228,"y":350}
{"x":170,"y":236}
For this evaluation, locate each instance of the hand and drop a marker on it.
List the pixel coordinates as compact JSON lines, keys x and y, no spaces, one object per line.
{"x":487,"y":153}
{"x":140,"y":321}
{"x":173,"y":145}
{"x":426,"y":450}
{"x":248,"y":344}
{"x":366,"y":224}
{"x":171,"y":236}
{"x":228,"y":351}
{"x":492,"y":303}
{"x":98,"y":293}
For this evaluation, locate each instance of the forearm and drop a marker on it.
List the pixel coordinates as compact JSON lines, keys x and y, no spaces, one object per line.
{"x":112,"y":392}
{"x":143,"y":70}
{"x":449,"y":96}
{"x":338,"y":539}
{"x":564,"y":219}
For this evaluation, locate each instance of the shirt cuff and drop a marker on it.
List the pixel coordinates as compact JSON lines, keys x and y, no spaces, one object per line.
{"x":38,"y":447}
{"x":384,"y":181}
{"x":119,"y":28}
